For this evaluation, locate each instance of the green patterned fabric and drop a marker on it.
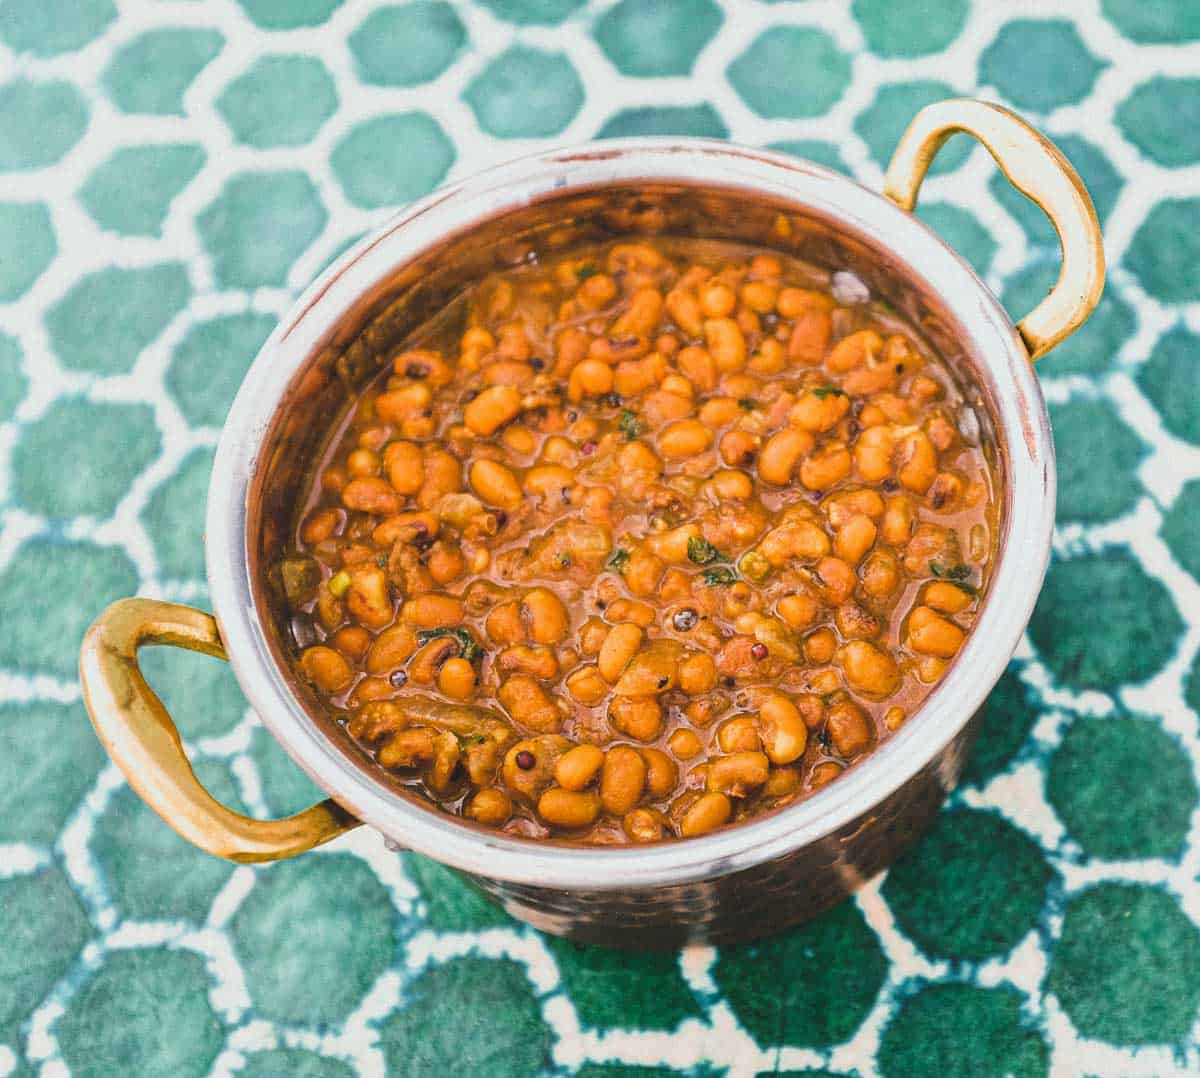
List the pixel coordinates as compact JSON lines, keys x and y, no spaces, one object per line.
{"x":173,"y":174}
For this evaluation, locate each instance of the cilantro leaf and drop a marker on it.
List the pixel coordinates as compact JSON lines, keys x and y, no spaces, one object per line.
{"x":630,"y":425}
{"x":468,"y":647}
{"x":722,"y":574}
{"x":958,"y":575}
{"x":588,"y":269}
{"x":747,"y":404}
{"x":702,"y":552}
{"x":618,"y":559}
{"x":821,"y":392}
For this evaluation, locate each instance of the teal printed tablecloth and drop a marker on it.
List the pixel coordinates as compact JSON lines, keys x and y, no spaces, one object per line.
{"x":173,"y":173}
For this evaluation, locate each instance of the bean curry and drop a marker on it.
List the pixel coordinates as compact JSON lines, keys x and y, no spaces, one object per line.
{"x":669,"y":535}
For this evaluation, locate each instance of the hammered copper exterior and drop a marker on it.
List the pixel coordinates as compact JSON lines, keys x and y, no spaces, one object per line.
{"x":753,"y":902}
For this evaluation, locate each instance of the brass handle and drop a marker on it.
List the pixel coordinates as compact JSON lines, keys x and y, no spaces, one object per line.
{"x":1037,"y":168}
{"x":143,"y":742}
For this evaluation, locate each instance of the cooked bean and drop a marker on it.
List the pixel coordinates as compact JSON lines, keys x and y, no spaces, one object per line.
{"x":697,"y":673}
{"x":443,"y":475}
{"x":929,"y":669}
{"x":591,"y":378}
{"x":378,"y":719}
{"x":897,"y":520}
{"x":726,"y":343}
{"x":760,"y":296}
{"x":820,"y":646}
{"x":643,"y":571}
{"x":639,"y":717}
{"x":495,"y":484}
{"x":367,"y":596}
{"x":869,"y":670}
{"x":645,"y":825}
{"x":795,"y":538}
{"x":622,"y":779}
{"x":917,"y":462}
{"x":523,"y":697}
{"x":707,"y":813}
{"x":569,"y":809}
{"x":370,"y":494}
{"x":739,"y":734}
{"x":825,"y":467}
{"x":528,"y":768}
{"x":824,"y":774}
{"x":618,"y":648}
{"x":519,"y":439}
{"x":427,"y":661}
{"x":948,"y":598}
{"x":880,"y":574}
{"x":445,"y":563}
{"x":645,"y":310}
{"x":490,"y":807}
{"x":849,"y":729}
{"x":587,"y":686}
{"x":738,"y":773}
{"x":654,"y":669}
{"x":446,"y":757}
{"x":784,"y":734}
{"x":494,"y":407}
{"x":504,"y":624}
{"x":780,"y":455}
{"x":548,"y":480}
{"x":856,"y":623}
{"x":577,"y":767}
{"x":546,"y":616}
{"x":662,"y":775}
{"x":353,"y":641}
{"x":873,"y":454}
{"x":409,"y":748}
{"x":685,"y":438}
{"x":797,"y":610}
{"x":686,"y":311}
{"x":730,"y":484}
{"x":835,"y":579}
{"x":769,"y":358}
{"x":931,"y":634}
{"x":854,"y":350}
{"x":408,"y":527}
{"x":597,"y":291}
{"x":370,"y":689}
{"x":457,"y":679}
{"x":397,"y":405}
{"x":717,"y":299}
{"x":854,"y":538}
{"x":326,"y":669}
{"x":405,"y":466}
{"x":738,"y":448}
{"x":639,"y":613}
{"x":363,"y":462}
{"x":684,"y":744}
{"x":432,"y":611}
{"x":820,"y":409}
{"x":321,"y":525}
{"x":663,"y":405}
{"x":809,"y":339}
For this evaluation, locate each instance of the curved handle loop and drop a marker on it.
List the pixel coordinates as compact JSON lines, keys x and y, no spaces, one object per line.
{"x":144,"y":743}
{"x":1037,"y":168}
